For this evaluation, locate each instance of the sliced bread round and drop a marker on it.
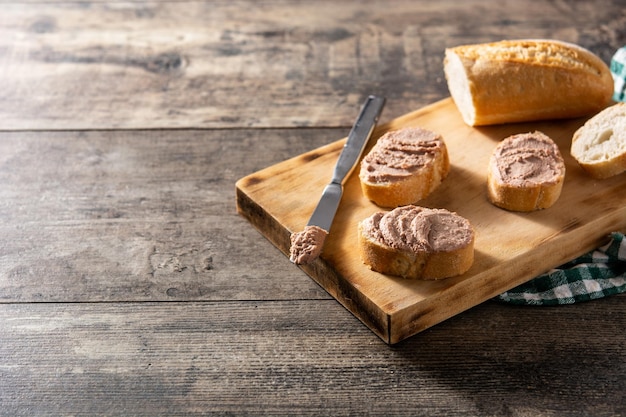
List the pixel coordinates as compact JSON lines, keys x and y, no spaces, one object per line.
{"x":404,"y":167}
{"x":526,"y":173}
{"x":417,"y":243}
{"x":599,"y":146}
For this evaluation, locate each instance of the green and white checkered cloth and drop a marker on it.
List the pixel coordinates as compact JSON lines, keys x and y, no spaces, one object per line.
{"x":597,"y":274}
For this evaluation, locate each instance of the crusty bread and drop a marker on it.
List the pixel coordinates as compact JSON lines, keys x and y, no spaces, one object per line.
{"x":417,"y":243}
{"x":403,"y":167}
{"x":526,"y":173}
{"x":525,"y":80}
{"x":599,"y":146}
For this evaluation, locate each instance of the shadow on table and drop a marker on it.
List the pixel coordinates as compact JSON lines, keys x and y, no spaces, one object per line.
{"x":513,"y":358}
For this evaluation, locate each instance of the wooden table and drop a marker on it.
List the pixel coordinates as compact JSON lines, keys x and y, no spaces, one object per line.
{"x":130,"y":286}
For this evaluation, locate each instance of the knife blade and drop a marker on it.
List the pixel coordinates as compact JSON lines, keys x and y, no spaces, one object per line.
{"x":360,"y":133}
{"x":307,"y":245}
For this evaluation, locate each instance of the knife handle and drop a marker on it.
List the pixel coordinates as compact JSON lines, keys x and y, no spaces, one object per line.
{"x":358,"y":138}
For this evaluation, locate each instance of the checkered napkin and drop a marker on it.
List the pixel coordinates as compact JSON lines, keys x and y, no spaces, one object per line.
{"x":597,"y":274}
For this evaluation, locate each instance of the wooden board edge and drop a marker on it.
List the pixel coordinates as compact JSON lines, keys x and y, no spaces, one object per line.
{"x":333,"y":283}
{"x":417,"y":318}
{"x":261,"y":219}
{"x":334,"y":147}
{"x":387,"y":325}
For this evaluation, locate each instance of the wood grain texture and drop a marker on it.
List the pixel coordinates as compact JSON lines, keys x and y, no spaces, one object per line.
{"x":280,"y":358}
{"x":145,"y":215}
{"x":510,"y":247}
{"x":75,"y":65}
{"x":129,"y":285}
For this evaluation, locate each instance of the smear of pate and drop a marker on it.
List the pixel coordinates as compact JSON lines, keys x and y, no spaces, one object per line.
{"x":307,"y":245}
{"x":419,"y":229}
{"x":527,"y":159}
{"x":399,"y":154}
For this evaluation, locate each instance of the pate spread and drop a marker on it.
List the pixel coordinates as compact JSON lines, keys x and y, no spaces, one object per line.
{"x":526,"y":160}
{"x":307,"y":245}
{"x":400,"y":153}
{"x":419,"y":229}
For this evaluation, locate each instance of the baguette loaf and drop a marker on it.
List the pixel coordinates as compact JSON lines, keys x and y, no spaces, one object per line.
{"x":526,"y":173}
{"x":526,"y":80}
{"x":417,"y":243}
{"x":599,"y":146}
{"x":404,"y":167}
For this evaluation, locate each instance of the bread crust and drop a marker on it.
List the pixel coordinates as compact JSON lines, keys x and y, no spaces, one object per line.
{"x":410,"y":190}
{"x":599,"y":146}
{"x":538,"y":197}
{"x":605,"y":170}
{"x":528,"y":194}
{"x":413,"y":187}
{"x":525,"y":80}
{"x":418,"y":265}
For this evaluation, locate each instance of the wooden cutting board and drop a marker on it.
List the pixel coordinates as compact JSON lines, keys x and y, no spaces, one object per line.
{"x":510,"y":249}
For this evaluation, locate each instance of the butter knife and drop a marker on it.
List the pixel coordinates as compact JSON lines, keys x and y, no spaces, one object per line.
{"x":306,"y":245}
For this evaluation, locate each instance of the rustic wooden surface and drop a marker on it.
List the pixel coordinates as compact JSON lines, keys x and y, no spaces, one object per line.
{"x":130,"y":286}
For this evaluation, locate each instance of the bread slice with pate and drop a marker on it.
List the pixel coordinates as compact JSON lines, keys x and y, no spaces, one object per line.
{"x":526,"y":173}
{"x":417,"y":243}
{"x":404,"y":167}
